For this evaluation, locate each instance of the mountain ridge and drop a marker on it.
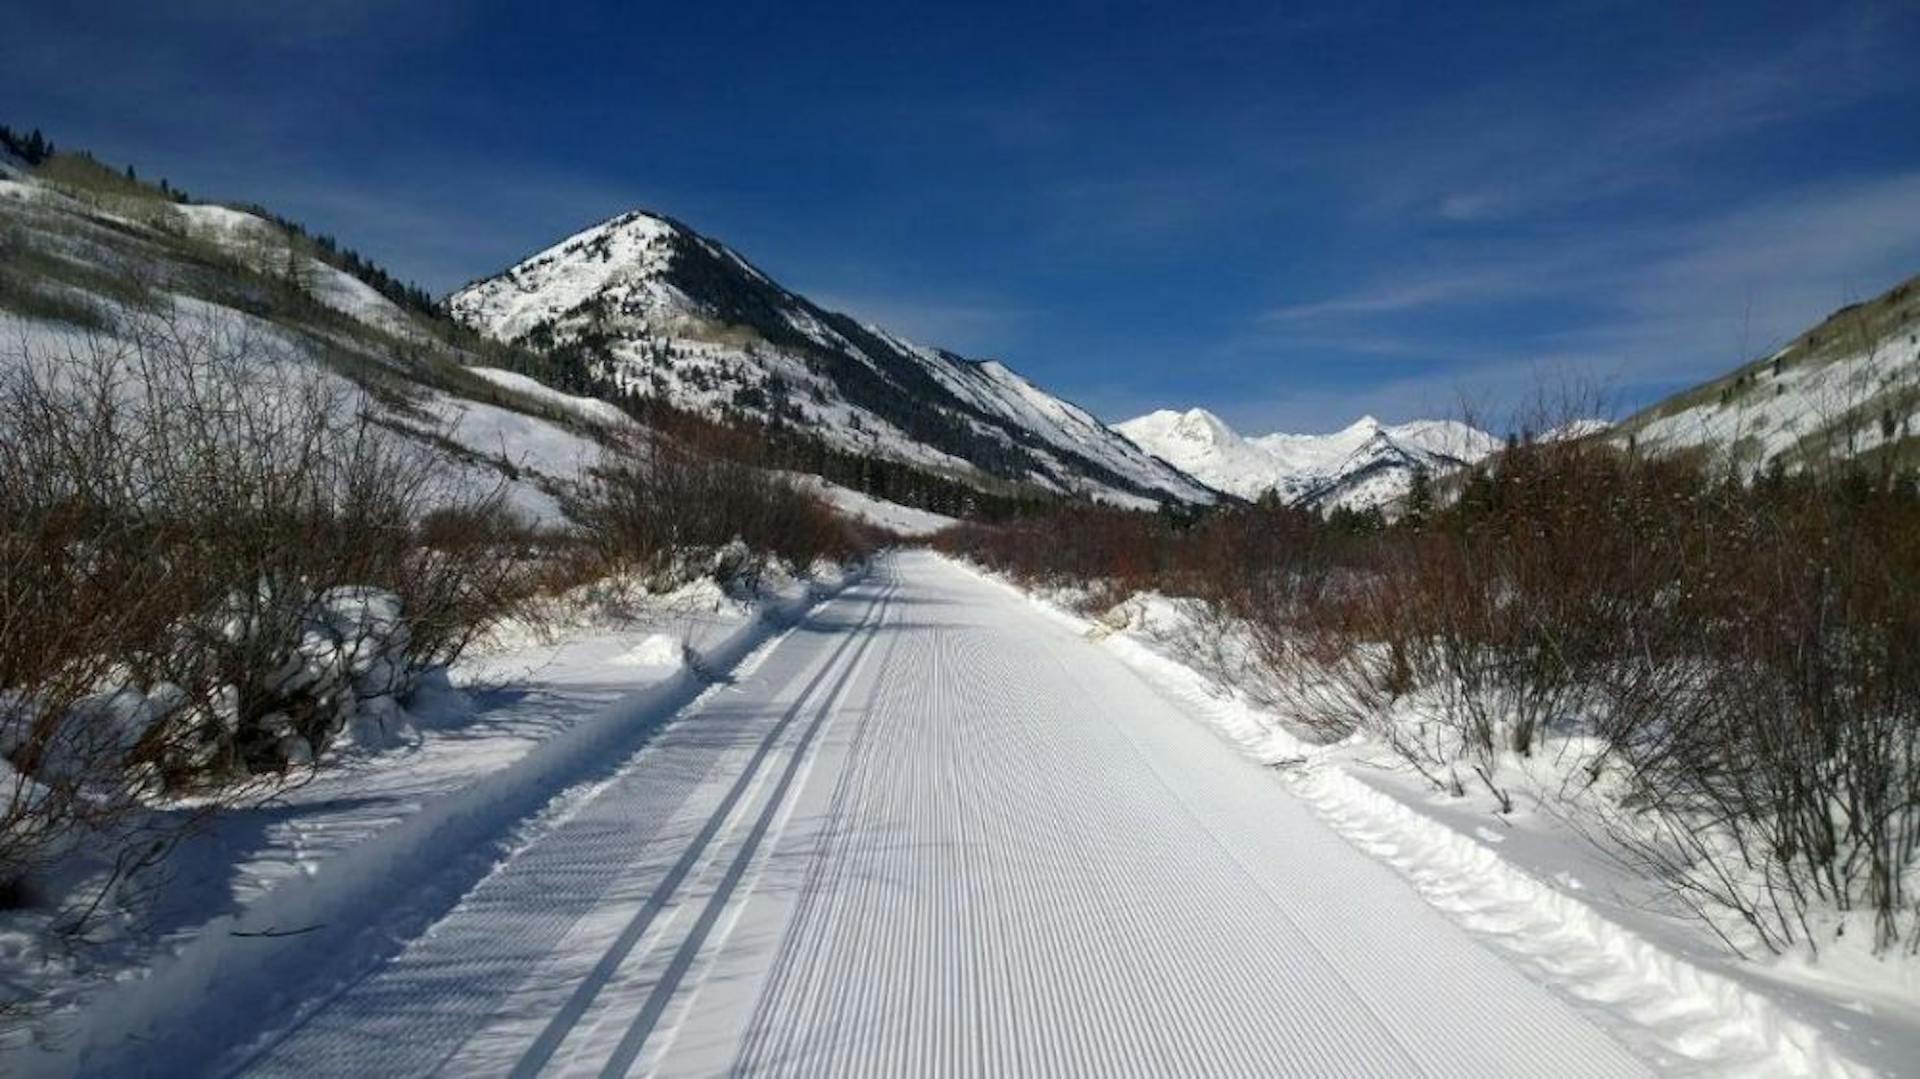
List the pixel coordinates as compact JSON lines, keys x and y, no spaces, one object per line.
{"x":1363,"y":465}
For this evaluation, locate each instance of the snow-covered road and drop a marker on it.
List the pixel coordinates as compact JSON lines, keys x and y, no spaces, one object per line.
{"x":933,"y":831}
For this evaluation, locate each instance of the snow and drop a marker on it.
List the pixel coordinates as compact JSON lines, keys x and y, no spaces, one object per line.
{"x":591,"y":409}
{"x":517,"y":739}
{"x":1203,"y":446}
{"x":530,"y":457}
{"x":1363,"y":465}
{"x":262,"y":244}
{"x":904,"y":520}
{"x":538,"y":455}
{"x":657,"y":650}
{"x":1802,"y":399}
{"x":619,"y":258}
{"x":223,"y":225}
{"x":993,"y":386}
{"x":1574,"y":429}
{"x":933,"y":829}
{"x":249,"y":238}
{"x":28,"y":191}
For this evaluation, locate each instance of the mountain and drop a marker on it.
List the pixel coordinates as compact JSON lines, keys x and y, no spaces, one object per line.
{"x":657,"y":310}
{"x":1367,"y":464}
{"x":1848,"y":388}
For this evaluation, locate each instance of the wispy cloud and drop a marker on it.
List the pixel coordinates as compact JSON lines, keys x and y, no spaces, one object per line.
{"x":1509,"y":148}
{"x":1716,"y":293}
{"x":1475,"y":285}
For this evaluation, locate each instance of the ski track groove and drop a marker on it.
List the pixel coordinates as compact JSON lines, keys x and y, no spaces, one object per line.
{"x":717,"y":905}
{"x":972,"y":845}
{"x":640,"y":974}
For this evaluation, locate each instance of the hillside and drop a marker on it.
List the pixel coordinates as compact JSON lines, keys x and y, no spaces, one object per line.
{"x":663,"y":313}
{"x":1365,"y":465}
{"x":95,"y":259}
{"x":1847,"y":388}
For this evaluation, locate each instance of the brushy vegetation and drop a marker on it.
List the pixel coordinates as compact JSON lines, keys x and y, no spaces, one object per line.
{"x":660,"y":513}
{"x":1735,"y":665}
{"x":210,"y":567}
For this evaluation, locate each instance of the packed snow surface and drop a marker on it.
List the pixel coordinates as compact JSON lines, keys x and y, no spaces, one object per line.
{"x":1365,"y":464}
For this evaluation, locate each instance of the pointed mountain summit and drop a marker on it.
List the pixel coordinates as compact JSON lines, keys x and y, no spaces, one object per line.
{"x":661,"y":311}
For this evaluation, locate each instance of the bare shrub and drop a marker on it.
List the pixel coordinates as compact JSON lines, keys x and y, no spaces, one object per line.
{"x":1790,"y":784}
{"x":212,"y":560}
{"x":668,"y":515}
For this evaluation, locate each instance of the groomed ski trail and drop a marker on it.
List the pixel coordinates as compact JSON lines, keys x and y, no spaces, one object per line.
{"x":934,"y":832}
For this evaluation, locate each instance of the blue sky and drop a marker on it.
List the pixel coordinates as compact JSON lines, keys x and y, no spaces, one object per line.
{"x":1286,"y":213}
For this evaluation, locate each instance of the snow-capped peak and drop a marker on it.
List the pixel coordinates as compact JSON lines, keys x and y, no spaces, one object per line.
{"x":665,"y":312}
{"x":1195,"y":425}
{"x":614,"y":258}
{"x":1363,"y":464}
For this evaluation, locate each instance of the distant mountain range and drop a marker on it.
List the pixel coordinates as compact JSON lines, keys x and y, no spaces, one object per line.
{"x":664,"y":312}
{"x":1365,"y":465}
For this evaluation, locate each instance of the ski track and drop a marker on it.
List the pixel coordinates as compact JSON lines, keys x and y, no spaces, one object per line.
{"x":936,"y":833}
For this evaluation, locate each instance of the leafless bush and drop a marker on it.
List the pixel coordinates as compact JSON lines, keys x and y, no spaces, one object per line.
{"x":668,"y":515}
{"x":212,"y":559}
{"x":1790,"y":785}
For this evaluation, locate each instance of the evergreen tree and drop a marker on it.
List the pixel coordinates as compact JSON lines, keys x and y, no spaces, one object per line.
{"x":1419,"y":499}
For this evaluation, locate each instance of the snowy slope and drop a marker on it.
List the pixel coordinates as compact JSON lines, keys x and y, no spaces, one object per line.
{"x":502,"y":428}
{"x":262,"y":245}
{"x":665,"y":312}
{"x":531,"y":442}
{"x":1366,"y":464}
{"x":1847,"y":388}
{"x":892,"y":516}
{"x":588,"y":409}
